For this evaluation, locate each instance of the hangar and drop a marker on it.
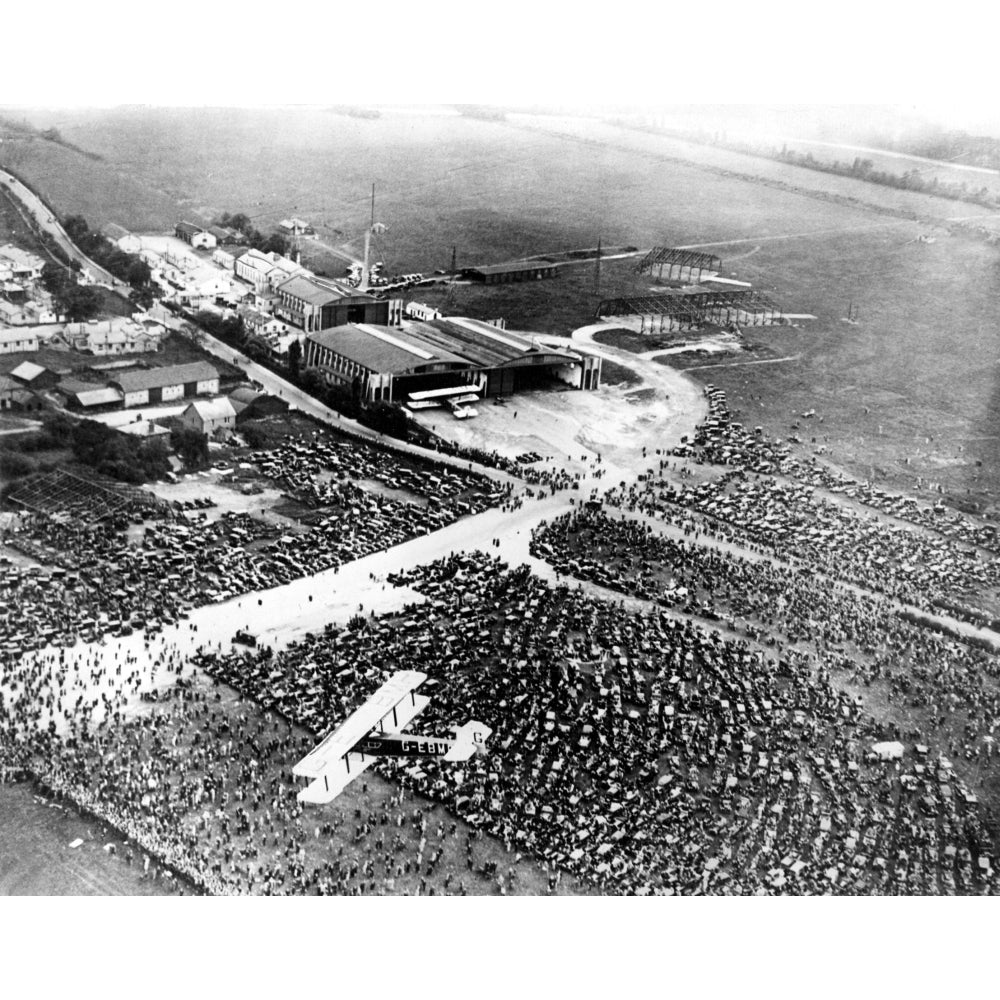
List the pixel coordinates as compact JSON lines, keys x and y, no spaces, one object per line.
{"x":518,"y":270}
{"x":443,"y":358}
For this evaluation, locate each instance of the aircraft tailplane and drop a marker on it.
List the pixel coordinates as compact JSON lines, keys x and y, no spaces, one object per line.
{"x":469,"y":739}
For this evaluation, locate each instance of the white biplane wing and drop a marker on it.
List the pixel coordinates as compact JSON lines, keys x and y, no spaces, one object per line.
{"x":332,"y":764}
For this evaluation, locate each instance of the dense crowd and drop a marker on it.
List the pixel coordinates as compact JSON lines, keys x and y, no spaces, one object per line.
{"x":202,"y":785}
{"x":720,"y":440}
{"x":953,"y":685}
{"x":638,"y":751}
{"x":794,"y":522}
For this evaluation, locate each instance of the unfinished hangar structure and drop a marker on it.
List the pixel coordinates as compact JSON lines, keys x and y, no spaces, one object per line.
{"x":426,"y":363}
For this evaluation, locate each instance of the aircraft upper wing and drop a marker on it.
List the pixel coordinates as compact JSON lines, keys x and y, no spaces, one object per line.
{"x":337,"y":771}
{"x":378,"y":708}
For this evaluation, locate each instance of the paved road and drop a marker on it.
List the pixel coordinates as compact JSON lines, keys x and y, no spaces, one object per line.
{"x":51,"y":225}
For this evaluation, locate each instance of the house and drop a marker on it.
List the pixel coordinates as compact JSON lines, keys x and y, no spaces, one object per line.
{"x":17,"y":341}
{"x":113,"y":336}
{"x":18,"y":264}
{"x":166,"y":384}
{"x":296,"y":227}
{"x":34,"y":376}
{"x":225,"y":236}
{"x":260,"y":323}
{"x":146,"y":429}
{"x":317,"y":304}
{"x":209,"y":416}
{"x":125,"y":241}
{"x":252,"y":404}
{"x":12,"y":314}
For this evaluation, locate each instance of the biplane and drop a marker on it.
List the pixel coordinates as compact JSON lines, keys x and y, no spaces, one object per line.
{"x":376,"y":730}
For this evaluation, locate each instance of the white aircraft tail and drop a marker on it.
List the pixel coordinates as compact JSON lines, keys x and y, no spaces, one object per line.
{"x":470,"y":738}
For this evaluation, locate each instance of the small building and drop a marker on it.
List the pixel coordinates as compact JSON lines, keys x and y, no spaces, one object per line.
{"x":227,"y":256}
{"x":296,"y":227}
{"x":252,"y":404}
{"x":8,"y":387}
{"x":417,"y":310}
{"x":145,"y":429}
{"x":34,"y":376}
{"x":209,"y":416}
{"x":83,"y":396}
{"x":167,"y":384}
{"x":125,"y":241}
{"x":224,"y":235}
{"x":261,"y":323}
{"x":197,"y":236}
{"x":18,"y":341}
{"x":502,"y":274}
{"x":186,"y":231}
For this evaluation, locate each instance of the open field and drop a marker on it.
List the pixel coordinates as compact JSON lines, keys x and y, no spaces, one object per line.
{"x":36,"y":859}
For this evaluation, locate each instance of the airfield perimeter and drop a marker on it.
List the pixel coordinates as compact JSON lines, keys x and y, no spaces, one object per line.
{"x":839,"y":371}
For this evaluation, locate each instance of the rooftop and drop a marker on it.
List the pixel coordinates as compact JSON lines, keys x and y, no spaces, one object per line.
{"x":380,"y":350}
{"x":511,"y":267}
{"x":312,"y":291}
{"x":213,"y":409}
{"x":27,"y":371}
{"x":97,"y":397}
{"x":156,"y":378}
{"x":481,"y":343}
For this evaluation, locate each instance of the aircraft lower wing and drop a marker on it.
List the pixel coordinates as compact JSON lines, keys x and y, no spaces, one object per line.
{"x":339,"y":771}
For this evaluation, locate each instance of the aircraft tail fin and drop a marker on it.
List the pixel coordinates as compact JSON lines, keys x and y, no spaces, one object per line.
{"x":470,"y":738}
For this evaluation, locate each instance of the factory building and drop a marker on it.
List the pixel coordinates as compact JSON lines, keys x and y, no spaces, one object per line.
{"x":320,"y":304}
{"x":427,"y":363}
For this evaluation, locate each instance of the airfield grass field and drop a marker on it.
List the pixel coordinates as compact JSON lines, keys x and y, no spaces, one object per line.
{"x":913,"y":380}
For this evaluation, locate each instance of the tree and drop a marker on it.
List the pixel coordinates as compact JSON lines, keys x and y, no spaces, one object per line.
{"x":295,"y":359}
{"x":76,"y":227}
{"x":141,"y":298}
{"x":191,"y":447}
{"x":137,"y":272}
{"x":79,"y":302}
{"x":55,"y":278}
{"x":275,"y":243}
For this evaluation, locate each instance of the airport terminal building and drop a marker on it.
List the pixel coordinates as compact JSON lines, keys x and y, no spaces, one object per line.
{"x":427,"y":363}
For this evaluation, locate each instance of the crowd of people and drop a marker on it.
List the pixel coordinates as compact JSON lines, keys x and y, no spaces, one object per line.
{"x":794,"y":522}
{"x":726,"y":736}
{"x":641,"y":752}
{"x":200,"y":782}
{"x":952,"y":687}
{"x":720,"y":440}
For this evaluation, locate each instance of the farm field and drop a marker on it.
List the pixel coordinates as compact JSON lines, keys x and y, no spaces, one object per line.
{"x":909,"y":391}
